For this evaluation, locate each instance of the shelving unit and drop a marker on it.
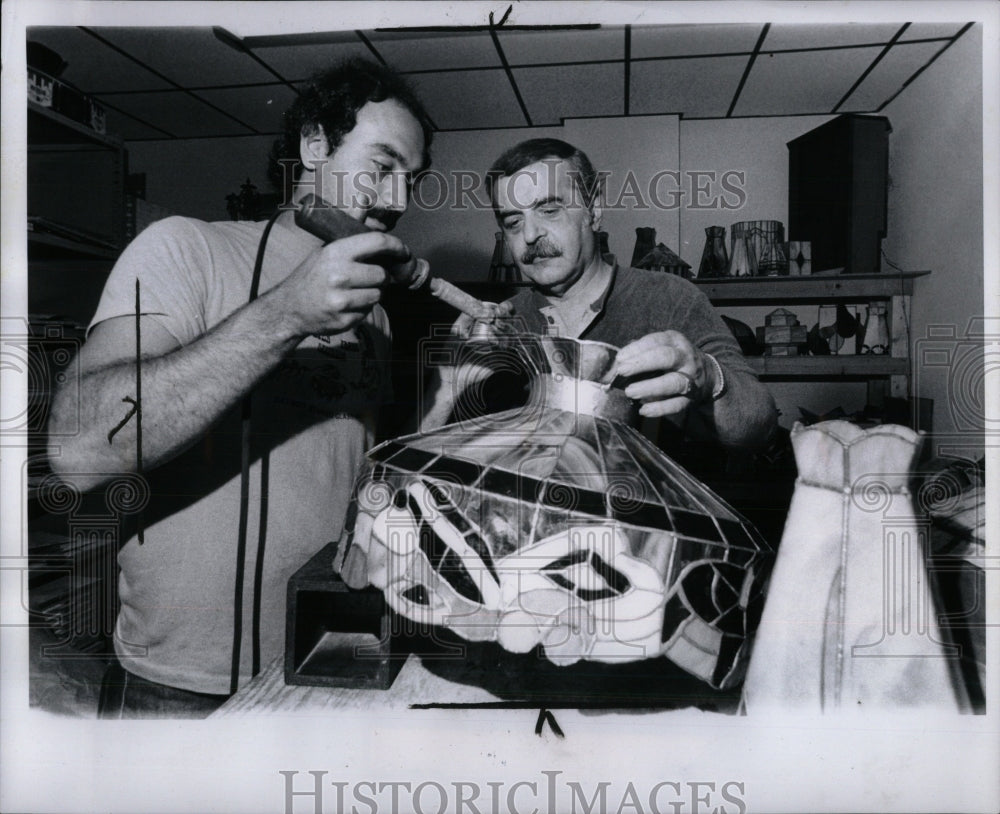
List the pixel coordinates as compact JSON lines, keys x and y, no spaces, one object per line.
{"x":47,"y":126}
{"x":895,"y":289}
{"x":75,"y":231}
{"x":48,"y":246}
{"x":766,"y":499}
{"x":76,"y":187}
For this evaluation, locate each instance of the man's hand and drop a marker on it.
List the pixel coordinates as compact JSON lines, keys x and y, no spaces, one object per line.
{"x":467,"y":336}
{"x":667,"y":373}
{"x":336,"y":286}
{"x":465,"y":332}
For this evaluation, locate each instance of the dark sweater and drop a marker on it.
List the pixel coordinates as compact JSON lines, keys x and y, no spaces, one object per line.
{"x":640,"y":302}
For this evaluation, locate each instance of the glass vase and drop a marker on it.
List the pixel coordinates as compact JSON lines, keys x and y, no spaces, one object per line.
{"x":645,"y":242}
{"x":743,"y":262}
{"x":714,"y":257}
{"x":876,"y":339}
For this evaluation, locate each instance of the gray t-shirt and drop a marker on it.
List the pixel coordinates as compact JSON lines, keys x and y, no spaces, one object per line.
{"x":313,"y":419}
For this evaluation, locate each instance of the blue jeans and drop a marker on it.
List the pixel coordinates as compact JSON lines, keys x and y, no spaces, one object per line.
{"x":126,"y":695}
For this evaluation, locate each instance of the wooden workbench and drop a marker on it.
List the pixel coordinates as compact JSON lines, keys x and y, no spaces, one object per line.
{"x":452,"y":673}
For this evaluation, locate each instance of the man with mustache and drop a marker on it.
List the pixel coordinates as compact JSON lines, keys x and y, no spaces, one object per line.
{"x":256,"y":411}
{"x":678,"y":357}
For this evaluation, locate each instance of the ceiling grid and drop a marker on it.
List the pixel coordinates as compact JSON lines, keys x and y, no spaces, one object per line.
{"x":870,"y":68}
{"x":187,"y":83}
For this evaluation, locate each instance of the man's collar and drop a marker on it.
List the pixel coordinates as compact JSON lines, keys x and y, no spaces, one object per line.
{"x":597,"y":306}
{"x":572,"y":318}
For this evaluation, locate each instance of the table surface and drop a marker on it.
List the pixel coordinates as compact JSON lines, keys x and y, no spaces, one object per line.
{"x":465,"y":675}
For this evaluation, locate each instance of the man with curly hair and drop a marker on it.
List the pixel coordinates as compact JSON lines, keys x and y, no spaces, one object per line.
{"x":262,"y":361}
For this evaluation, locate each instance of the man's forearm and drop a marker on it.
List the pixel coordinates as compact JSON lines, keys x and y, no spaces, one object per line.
{"x":745,"y":415}
{"x":183,"y":393}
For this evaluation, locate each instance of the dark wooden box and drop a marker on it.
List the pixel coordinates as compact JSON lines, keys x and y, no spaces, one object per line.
{"x":336,"y":636}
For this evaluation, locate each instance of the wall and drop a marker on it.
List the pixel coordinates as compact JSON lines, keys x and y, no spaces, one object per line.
{"x":756,"y":150}
{"x":935,"y":221}
{"x":635,"y":153}
{"x":193,"y":176}
{"x":459,"y":240}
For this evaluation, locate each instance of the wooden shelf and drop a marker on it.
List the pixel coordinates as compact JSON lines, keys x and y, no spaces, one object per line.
{"x":888,"y":374}
{"x":809,"y":288}
{"x":46,"y":126}
{"x":861,"y":367}
{"x":76,"y":182}
{"x":50,"y":244}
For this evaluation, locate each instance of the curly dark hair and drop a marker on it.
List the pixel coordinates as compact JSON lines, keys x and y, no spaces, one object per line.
{"x":331,"y":99}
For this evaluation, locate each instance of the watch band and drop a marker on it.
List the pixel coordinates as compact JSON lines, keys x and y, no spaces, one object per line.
{"x":720,"y":378}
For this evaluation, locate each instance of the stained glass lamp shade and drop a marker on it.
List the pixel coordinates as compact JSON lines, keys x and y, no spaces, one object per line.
{"x":558,"y":524}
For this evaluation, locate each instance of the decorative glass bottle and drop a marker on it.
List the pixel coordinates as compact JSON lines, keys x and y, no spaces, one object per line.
{"x":602,"y":240}
{"x":743,"y":263}
{"x":876,"y":339}
{"x":496,"y":262}
{"x":773,"y":261}
{"x":714,"y":257}
{"x":503,"y":269}
{"x":645,"y":242}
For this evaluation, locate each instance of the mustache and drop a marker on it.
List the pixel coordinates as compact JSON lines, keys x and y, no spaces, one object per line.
{"x":541,"y":249}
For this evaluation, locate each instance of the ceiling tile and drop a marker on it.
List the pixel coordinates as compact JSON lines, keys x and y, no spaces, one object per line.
{"x":781,"y":37}
{"x":259,"y":106}
{"x":800,"y":83}
{"x":129,"y":129}
{"x":926,"y":31}
{"x":187,"y":56}
{"x":536,"y":47}
{"x":781,"y":83}
{"x":441,"y":51}
{"x":176,"y":112}
{"x":693,"y":87}
{"x":485,"y":99}
{"x":888,"y":77}
{"x":552,"y":94}
{"x":686,"y":40}
{"x":297,"y":62}
{"x":92,"y":66}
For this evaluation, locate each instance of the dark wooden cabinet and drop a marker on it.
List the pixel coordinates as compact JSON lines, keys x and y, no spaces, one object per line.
{"x":837,"y":192}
